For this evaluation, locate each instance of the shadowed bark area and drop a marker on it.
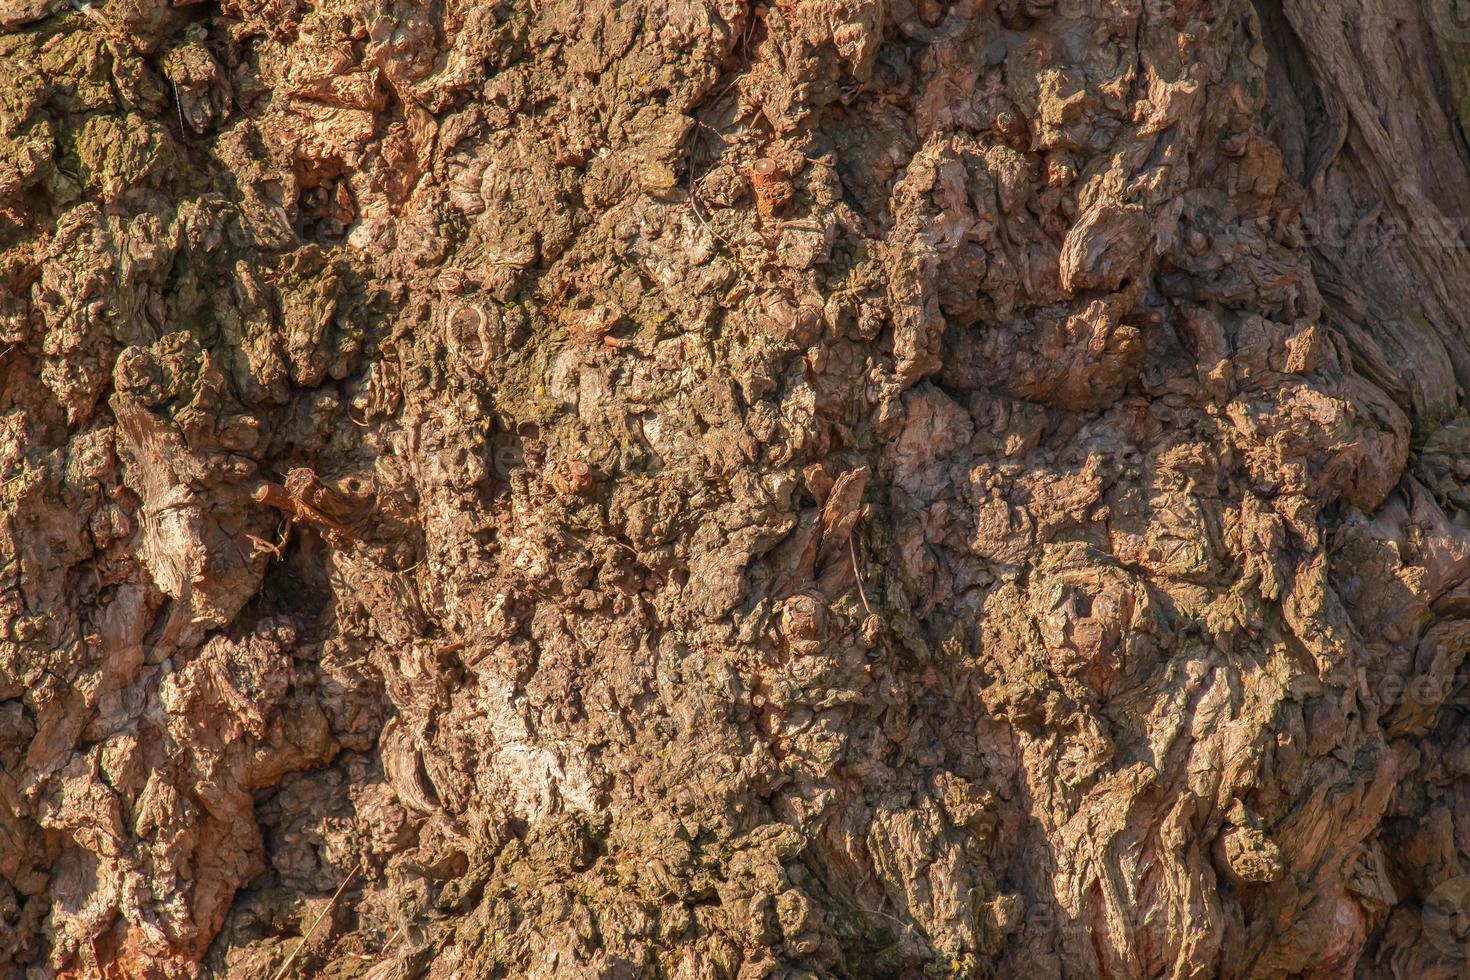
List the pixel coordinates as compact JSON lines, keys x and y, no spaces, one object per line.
{"x":701,"y":489}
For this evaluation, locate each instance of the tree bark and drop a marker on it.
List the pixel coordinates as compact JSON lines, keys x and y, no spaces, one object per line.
{"x":609,"y":488}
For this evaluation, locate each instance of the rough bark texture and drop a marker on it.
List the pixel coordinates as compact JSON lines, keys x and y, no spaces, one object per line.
{"x":554,"y":488}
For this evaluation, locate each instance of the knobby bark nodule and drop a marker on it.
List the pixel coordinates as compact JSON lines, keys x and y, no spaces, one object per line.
{"x":697,"y":488}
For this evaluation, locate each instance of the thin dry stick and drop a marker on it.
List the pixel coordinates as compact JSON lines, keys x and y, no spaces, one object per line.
{"x":694,"y":194}
{"x":397,"y":931}
{"x":260,"y":546}
{"x":852,"y":552}
{"x":907,"y":926}
{"x":307,"y":938}
{"x":387,"y":945}
{"x":183,"y":131}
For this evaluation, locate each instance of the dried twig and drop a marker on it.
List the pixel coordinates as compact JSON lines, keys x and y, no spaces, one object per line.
{"x":908,"y":927}
{"x":694,"y":192}
{"x":852,"y":552}
{"x":392,"y":938}
{"x":178,"y":101}
{"x":261,"y":546}
{"x":307,"y":938}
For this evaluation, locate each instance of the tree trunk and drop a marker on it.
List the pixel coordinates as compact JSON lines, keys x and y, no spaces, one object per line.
{"x":862,"y":488}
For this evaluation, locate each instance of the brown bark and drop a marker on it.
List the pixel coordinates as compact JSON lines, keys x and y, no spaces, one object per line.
{"x":704,"y":489}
